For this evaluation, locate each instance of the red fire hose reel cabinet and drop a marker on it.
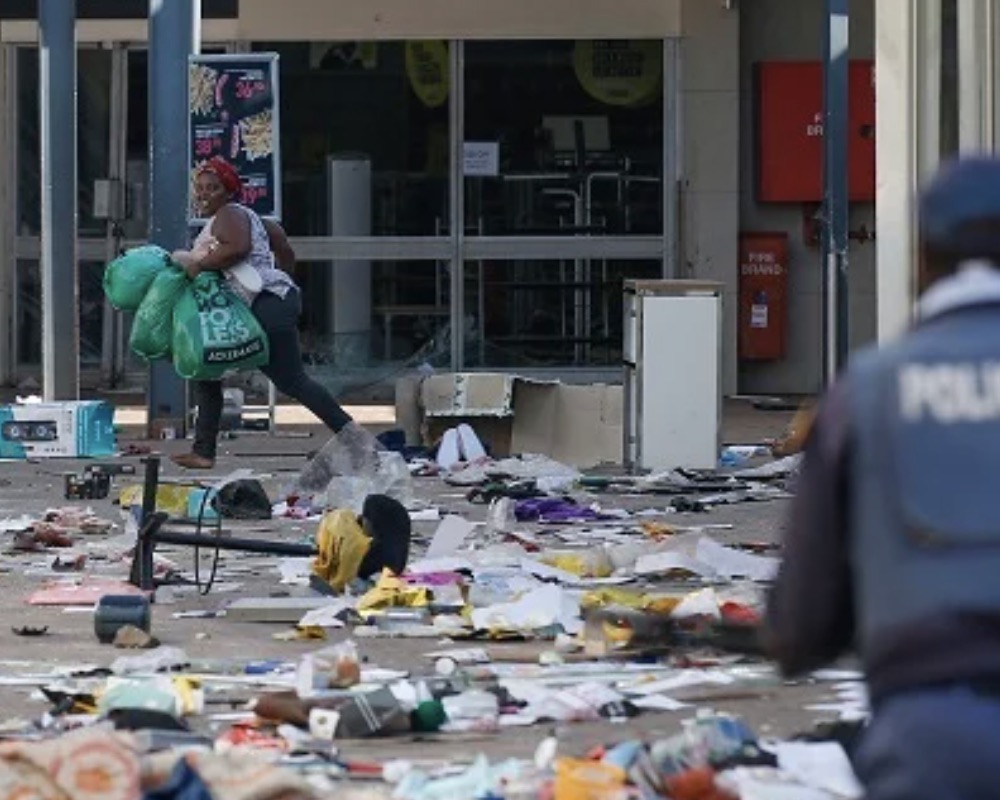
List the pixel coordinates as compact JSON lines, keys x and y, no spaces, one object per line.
{"x":763,"y":285}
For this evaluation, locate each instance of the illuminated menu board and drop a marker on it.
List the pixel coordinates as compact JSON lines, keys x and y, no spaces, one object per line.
{"x":234,"y":113}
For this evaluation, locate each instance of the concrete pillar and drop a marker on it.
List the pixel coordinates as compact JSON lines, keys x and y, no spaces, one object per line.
{"x":174,"y":34}
{"x":976,"y":75}
{"x":57,"y":131}
{"x":908,"y":69}
{"x":710,"y":165}
{"x":8,"y":184}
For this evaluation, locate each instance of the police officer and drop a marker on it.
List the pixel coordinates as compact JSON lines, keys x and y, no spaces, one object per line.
{"x":893,"y":545}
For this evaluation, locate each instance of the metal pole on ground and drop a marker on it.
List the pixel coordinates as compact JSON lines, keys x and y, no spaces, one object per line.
{"x":174,"y":35}
{"x":835,"y":187}
{"x":57,"y":125}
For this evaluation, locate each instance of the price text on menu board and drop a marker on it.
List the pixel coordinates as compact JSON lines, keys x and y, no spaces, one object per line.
{"x":233,"y":107}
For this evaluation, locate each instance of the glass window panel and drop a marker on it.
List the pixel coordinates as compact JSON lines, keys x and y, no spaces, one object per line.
{"x":383,"y":102}
{"x":28,"y":322}
{"x":949,"y":78}
{"x":564,"y":137}
{"x":406,"y":323}
{"x":531,"y":313}
{"x":93,"y":136}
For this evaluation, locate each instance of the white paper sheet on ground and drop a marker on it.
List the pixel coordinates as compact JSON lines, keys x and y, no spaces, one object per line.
{"x":428,"y":565}
{"x":326,"y":616}
{"x":449,"y":537}
{"x":659,"y":702}
{"x":775,"y":469}
{"x":766,"y":783}
{"x":683,"y":679}
{"x":731,"y":563}
{"x":659,"y":563}
{"x":16,"y":524}
{"x":595,"y":695}
{"x":822,"y":765}
{"x":539,"y":608}
{"x":378,"y":676}
{"x":519,"y":720}
{"x":295,"y":570}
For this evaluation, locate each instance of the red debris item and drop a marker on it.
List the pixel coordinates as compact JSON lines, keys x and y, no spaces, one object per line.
{"x":696,"y":784}
{"x":246,"y":735}
{"x":739,"y":613}
{"x":85,"y":593}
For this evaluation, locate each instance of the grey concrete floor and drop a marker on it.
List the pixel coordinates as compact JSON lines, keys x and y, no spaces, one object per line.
{"x":771,"y":707}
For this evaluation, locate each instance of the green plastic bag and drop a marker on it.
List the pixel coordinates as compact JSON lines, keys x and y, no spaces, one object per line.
{"x":152,"y":328}
{"x":214,"y":332}
{"x":128,"y":277}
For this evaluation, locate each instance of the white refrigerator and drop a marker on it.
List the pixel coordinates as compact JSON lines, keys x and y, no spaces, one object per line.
{"x":673,"y":380}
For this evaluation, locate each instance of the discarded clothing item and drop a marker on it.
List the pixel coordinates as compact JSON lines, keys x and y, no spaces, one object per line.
{"x":231,"y":775}
{"x":183,"y":784}
{"x":553,"y":510}
{"x":495,"y":490}
{"x":387,"y":522}
{"x":71,"y":766}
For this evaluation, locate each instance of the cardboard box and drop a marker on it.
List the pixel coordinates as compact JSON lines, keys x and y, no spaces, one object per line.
{"x":76,"y":429}
{"x":576,"y":425}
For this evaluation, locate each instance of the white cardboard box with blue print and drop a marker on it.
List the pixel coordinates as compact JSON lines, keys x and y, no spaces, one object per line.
{"x":72,"y":429}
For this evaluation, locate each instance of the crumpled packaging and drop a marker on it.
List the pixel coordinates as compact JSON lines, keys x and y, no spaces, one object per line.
{"x":393,"y":592}
{"x":637,"y":601}
{"x":342,"y":545}
{"x":171,"y":498}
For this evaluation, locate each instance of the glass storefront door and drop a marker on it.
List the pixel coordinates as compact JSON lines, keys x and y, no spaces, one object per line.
{"x":492,"y":195}
{"x":112,"y":179}
{"x":96,"y":70}
{"x":531,"y":177}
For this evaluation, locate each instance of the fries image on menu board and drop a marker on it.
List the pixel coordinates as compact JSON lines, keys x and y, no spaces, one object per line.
{"x":202,"y":89}
{"x":256,"y":133}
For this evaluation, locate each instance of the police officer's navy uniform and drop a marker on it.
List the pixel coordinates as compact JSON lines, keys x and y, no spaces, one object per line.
{"x":893,"y":548}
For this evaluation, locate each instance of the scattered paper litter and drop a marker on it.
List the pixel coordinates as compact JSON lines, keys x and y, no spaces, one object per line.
{"x":821,"y":765}
{"x":16,"y":525}
{"x":449,"y":536}
{"x":327,"y":616}
{"x":766,"y":783}
{"x":295,"y":571}
{"x":658,"y":702}
{"x":683,"y":679}
{"x":731,"y":563}
{"x":660,"y":563}
{"x":540,"y":608}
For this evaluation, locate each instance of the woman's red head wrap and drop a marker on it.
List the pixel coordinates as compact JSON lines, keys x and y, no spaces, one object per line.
{"x":225,"y":172}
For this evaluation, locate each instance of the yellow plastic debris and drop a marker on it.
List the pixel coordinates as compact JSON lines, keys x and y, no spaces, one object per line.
{"x":342,"y":545}
{"x":301,"y":633}
{"x":171,"y":498}
{"x":392,"y":592}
